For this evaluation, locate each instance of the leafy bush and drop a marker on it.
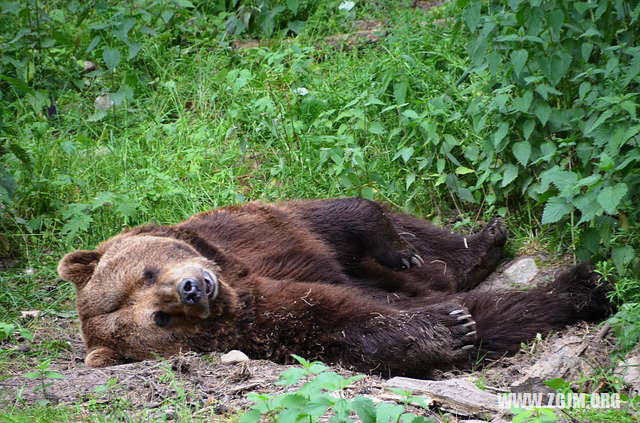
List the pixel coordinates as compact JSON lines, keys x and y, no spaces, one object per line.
{"x":322,"y":395}
{"x":558,"y":85}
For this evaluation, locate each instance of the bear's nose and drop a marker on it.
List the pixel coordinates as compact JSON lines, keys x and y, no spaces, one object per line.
{"x":189,"y":291}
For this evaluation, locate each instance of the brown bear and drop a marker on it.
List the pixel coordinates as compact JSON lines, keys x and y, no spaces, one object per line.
{"x":345,"y":281}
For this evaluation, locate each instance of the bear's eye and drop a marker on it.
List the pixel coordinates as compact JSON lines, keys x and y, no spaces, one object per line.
{"x":161,"y":318}
{"x":150,"y":274}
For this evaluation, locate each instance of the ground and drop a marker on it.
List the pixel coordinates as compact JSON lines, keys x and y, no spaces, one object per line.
{"x":193,"y":387}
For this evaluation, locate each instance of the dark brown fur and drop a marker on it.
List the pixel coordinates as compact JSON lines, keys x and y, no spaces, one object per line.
{"x":341,"y":280}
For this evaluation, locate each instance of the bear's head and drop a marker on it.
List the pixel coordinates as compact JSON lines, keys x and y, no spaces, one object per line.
{"x":144,"y":293}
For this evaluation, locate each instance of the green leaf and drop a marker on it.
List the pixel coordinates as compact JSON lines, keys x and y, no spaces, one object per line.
{"x":500,"y":133}
{"x":622,"y":256}
{"x":555,"y":209}
{"x":405,"y":153}
{"x":557,"y":383}
{"x":184,"y":3}
{"x":471,"y":15}
{"x":411,"y":114}
{"x":100,"y":388}
{"x":26,"y":334}
{"x":21,"y":154}
{"x":94,"y":43}
{"x":510,"y":173}
{"x":610,"y":197}
{"x":400,"y":91}
{"x":50,"y":374}
{"x":134,"y":49}
{"x":527,"y":128}
{"x":410,"y":179}
{"x":166,"y":15}
{"x":542,"y":111}
{"x":376,"y":127}
{"x":518,"y":59}
{"x":588,"y":206}
{"x":544,"y":90}
{"x":522,"y":152}
{"x":111,"y":57}
{"x":291,"y":376}
{"x":386,"y":413}
{"x":253,"y":416}
{"x":461,"y":170}
{"x":522,"y":104}
{"x":562,"y":179}
{"x":603,"y":117}
{"x":365,"y":409}
{"x":587,"y":48}
{"x":33,"y":375}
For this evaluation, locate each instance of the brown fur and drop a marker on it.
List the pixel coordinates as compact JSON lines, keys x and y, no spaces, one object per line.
{"x":342,"y":280}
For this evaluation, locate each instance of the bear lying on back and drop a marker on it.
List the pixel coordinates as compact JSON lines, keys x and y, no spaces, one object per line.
{"x":341,"y":280}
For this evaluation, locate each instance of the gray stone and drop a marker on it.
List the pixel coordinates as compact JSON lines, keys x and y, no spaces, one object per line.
{"x":568,"y":358}
{"x":521,"y":272}
{"x":234,"y":357}
{"x":458,"y":395}
{"x":629,"y":371}
{"x":518,"y":274}
{"x":103,"y":103}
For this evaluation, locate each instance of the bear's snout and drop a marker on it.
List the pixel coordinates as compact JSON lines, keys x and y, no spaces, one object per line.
{"x":192,"y":290}
{"x":189,"y":291}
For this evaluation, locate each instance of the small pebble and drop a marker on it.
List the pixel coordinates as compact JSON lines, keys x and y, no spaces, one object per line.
{"x":89,"y":66}
{"x":29,"y":314}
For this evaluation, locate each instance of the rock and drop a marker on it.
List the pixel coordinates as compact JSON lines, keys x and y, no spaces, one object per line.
{"x":89,"y":66}
{"x":569,"y":358}
{"x":29,"y":314}
{"x":170,"y":413}
{"x":457,"y":395}
{"x":103,"y":102}
{"x":246,"y":44}
{"x":234,"y":357}
{"x":521,"y":272}
{"x":629,"y":371}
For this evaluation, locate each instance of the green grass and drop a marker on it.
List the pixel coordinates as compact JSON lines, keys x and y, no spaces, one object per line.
{"x":209,"y":126}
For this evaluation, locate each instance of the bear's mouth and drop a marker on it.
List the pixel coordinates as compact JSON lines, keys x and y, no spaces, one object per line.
{"x":210,"y":285}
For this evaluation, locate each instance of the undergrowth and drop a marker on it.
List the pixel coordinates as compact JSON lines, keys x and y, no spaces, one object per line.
{"x":113,"y":114}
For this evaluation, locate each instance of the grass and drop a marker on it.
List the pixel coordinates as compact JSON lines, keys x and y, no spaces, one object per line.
{"x":210,"y":126}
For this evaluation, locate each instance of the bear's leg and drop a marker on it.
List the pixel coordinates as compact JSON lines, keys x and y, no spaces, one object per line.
{"x":469,"y":258}
{"x":338,"y":324}
{"x":356,"y":228}
{"x":505,"y":319}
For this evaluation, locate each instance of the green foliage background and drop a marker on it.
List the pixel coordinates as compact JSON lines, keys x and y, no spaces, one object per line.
{"x":526,"y":110}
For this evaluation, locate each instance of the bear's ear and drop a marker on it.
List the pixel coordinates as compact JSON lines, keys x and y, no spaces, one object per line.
{"x":103,"y":357}
{"x":78,"y":267}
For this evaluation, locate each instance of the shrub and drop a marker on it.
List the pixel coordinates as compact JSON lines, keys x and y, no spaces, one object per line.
{"x":558,"y":85}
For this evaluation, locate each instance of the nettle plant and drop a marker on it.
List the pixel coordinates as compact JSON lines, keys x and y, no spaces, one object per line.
{"x":321,"y":398}
{"x":559,"y":84}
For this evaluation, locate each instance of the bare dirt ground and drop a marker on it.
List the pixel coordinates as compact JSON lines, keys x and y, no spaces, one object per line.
{"x":208,"y":387}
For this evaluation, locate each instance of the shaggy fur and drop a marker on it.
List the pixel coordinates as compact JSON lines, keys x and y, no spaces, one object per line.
{"x":342,"y":280}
